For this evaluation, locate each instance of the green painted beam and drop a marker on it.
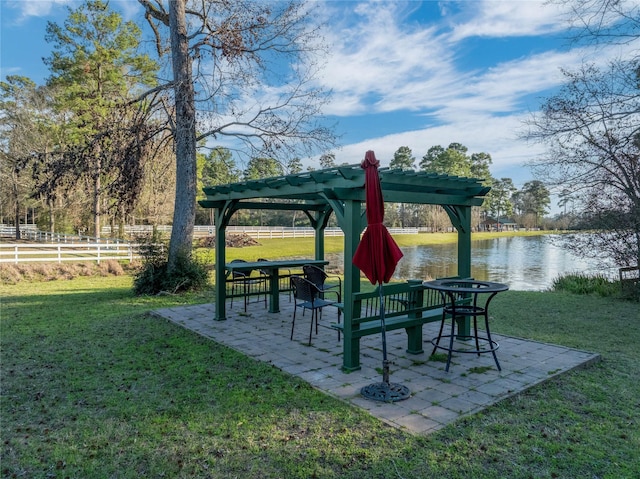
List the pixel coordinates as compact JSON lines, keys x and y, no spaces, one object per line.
{"x":426,"y":198}
{"x":352,"y":225}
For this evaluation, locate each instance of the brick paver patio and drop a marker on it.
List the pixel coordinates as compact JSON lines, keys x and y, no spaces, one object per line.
{"x":437,"y":397}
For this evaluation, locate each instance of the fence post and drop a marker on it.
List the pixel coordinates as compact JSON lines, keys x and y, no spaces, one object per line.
{"x":59,"y":254}
{"x":16,"y":253}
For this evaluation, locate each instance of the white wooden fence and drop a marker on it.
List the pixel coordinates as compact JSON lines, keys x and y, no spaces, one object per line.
{"x":32,"y":233}
{"x":59,"y":252}
{"x":56,"y":247}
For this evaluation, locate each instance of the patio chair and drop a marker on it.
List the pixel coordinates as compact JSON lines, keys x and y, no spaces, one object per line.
{"x":251,"y":285}
{"x":318,"y":276}
{"x":308,"y":296}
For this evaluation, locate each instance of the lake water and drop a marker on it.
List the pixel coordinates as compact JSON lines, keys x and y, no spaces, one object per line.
{"x":525,"y":263}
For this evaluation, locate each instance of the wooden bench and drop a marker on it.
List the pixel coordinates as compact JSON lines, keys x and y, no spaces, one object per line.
{"x":630,"y":281}
{"x":406,"y":305}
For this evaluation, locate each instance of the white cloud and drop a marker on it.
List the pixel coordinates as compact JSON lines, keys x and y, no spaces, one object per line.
{"x":381,"y":65}
{"x":384,"y":64}
{"x":490,"y":18}
{"x":130,"y":10}
{"x":45,"y":8}
{"x":36,"y":8}
{"x":498,"y":136}
{"x":374,"y":61}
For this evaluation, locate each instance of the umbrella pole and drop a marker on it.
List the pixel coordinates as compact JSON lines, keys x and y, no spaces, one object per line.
{"x":385,"y":361}
{"x":385,"y":391}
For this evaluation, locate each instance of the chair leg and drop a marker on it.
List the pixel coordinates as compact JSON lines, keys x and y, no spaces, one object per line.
{"x":493,"y":350}
{"x":313,"y":316}
{"x":266,"y":293}
{"x":339,"y":312}
{"x":293,"y":323}
{"x":435,"y":347}
{"x":453,"y":327}
{"x":475,"y":329}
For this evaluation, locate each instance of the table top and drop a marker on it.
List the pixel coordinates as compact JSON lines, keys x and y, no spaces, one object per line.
{"x":465,"y":286}
{"x":288,"y":263}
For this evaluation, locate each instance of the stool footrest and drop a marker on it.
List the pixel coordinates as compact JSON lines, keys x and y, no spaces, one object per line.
{"x":493,"y":344}
{"x":466,"y":310}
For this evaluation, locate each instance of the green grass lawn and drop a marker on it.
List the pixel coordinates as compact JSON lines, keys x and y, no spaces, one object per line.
{"x":95,"y":387}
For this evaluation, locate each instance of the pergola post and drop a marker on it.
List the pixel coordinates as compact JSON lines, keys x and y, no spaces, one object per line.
{"x":222,"y":215}
{"x":464,"y":241}
{"x":352,"y":225}
{"x":461,"y":219}
{"x":320,"y":224}
{"x":220,"y":276}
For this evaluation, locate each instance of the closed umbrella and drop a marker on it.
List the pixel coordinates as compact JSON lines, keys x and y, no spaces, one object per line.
{"x":377,"y":256}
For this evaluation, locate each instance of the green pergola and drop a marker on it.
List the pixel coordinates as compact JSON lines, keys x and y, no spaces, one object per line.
{"x":340,"y":191}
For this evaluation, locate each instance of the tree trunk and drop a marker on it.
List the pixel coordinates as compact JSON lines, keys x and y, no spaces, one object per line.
{"x":17,"y":217}
{"x":52,"y":217}
{"x":185,"y":136}
{"x":96,"y":204}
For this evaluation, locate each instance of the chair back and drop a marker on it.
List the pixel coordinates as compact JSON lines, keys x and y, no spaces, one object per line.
{"x":263,"y":271}
{"x":314,"y":274}
{"x":303,"y":290}
{"x":240,"y":274}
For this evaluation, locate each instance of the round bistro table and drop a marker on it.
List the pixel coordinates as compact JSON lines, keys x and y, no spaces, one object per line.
{"x":461,"y":300}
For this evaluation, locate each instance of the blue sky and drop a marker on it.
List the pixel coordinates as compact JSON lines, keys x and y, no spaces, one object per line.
{"x":414,"y":74}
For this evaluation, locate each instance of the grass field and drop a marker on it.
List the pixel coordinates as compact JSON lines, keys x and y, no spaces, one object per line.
{"x":95,"y":387}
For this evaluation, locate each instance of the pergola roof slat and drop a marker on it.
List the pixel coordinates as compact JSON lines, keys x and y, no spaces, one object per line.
{"x":346,"y":182}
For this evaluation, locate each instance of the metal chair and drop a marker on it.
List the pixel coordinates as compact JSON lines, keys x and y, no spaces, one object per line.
{"x":318,"y":276}
{"x":460,"y":311}
{"x":251,"y":285}
{"x":307,"y":296}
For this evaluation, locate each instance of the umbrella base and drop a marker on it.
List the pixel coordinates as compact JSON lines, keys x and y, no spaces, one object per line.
{"x":387,"y":392}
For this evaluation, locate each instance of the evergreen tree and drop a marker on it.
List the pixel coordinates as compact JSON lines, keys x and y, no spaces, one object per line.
{"x":327,"y":160}
{"x":499,"y":198}
{"x":403,"y":159}
{"x":96,"y":67}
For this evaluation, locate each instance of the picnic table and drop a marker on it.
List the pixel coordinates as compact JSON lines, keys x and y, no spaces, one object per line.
{"x":452,"y":290}
{"x":272,"y":269}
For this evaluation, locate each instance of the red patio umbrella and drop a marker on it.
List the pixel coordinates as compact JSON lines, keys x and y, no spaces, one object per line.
{"x":377,"y":256}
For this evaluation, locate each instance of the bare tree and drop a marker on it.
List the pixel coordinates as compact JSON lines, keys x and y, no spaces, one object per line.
{"x":155,"y":204}
{"x":604,"y":22}
{"x":242,"y":71}
{"x":592,"y":130}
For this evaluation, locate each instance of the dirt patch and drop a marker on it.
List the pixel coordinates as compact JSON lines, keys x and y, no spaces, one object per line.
{"x":231,"y":241}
